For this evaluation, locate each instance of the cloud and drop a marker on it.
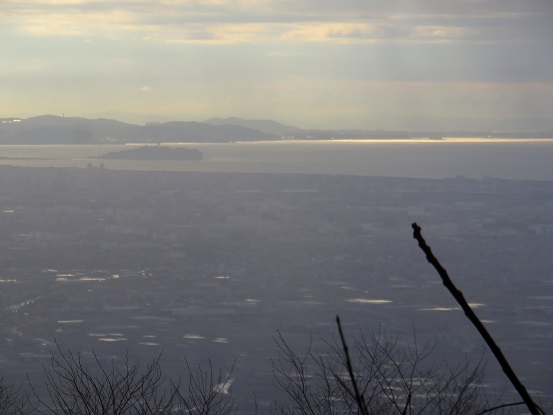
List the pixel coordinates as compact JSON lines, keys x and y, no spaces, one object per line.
{"x":378,"y":32}
{"x":216,"y":34}
{"x":239,"y":21}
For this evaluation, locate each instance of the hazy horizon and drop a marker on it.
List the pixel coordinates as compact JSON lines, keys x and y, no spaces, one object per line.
{"x":423,"y":64}
{"x":508,"y":126}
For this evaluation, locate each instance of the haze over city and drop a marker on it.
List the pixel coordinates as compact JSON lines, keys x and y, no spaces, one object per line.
{"x":425,"y":64}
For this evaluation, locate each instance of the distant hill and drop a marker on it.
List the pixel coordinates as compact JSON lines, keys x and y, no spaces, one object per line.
{"x":266,"y":126}
{"x":49,"y":129}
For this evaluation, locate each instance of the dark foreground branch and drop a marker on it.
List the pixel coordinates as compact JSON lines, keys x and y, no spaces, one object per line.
{"x":459,"y":297}
{"x":495,"y":408}
{"x":358,"y":396}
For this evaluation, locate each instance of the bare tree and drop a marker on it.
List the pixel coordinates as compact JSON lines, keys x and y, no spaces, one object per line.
{"x":206,"y":392}
{"x":389,"y":378}
{"x":76,"y":385}
{"x":13,"y":399}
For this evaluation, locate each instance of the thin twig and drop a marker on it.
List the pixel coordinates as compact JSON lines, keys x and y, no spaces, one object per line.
{"x":358,"y":397}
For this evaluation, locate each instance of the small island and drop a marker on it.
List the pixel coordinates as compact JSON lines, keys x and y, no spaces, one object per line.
{"x":155,"y":153}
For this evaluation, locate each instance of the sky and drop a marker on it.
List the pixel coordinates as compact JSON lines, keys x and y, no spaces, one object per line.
{"x":371,"y":64}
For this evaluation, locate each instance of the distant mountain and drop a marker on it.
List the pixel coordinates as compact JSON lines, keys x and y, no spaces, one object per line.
{"x":131,"y":117}
{"x":201,"y":132}
{"x":266,"y":126}
{"x":49,"y":129}
{"x":289,"y":132}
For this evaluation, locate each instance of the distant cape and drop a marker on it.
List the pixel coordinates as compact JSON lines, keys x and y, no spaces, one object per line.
{"x":155,"y":153}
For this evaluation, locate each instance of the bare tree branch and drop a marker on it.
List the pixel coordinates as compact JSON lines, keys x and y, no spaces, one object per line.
{"x":358,"y":396}
{"x":459,"y":297}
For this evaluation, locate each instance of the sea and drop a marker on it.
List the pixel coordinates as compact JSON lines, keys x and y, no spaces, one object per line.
{"x":516,"y":159}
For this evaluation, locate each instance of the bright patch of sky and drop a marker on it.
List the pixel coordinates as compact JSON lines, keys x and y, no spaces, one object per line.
{"x":311,"y":63}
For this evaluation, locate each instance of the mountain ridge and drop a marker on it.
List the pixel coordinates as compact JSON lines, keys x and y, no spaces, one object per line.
{"x":266,"y":126}
{"x":51,"y":129}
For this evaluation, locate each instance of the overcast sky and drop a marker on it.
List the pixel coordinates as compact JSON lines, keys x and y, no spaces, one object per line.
{"x":310,"y":63}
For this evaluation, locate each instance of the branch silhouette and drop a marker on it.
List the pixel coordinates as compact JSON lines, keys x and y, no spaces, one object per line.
{"x":358,"y":395}
{"x":460,"y":298}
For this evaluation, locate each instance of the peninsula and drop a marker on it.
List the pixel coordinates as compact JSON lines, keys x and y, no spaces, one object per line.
{"x":155,"y":153}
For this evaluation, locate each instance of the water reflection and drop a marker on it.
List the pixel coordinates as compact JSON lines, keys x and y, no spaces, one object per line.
{"x":193,"y":337}
{"x":367,"y":301}
{"x":108,"y":337}
{"x":15,"y":308}
{"x":472,"y":305}
{"x":348,"y":288}
{"x":79,"y":276}
{"x":224,"y":387}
